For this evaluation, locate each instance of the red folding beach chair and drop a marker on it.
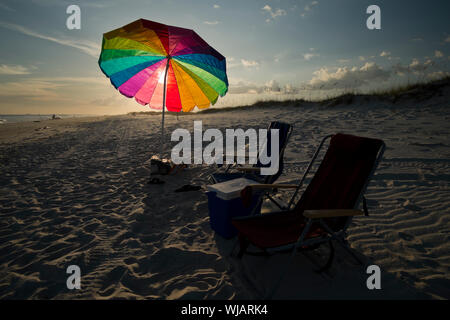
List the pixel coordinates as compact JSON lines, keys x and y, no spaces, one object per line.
{"x":326,"y":207}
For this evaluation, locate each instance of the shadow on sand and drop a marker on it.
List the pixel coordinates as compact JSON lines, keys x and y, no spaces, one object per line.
{"x":346,"y":279}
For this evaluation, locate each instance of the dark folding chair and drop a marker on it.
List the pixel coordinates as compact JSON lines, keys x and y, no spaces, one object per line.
{"x":253,"y":173}
{"x":326,"y":207}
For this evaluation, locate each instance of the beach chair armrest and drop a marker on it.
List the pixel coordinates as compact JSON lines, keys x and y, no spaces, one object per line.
{"x":272,"y":186}
{"x":248,"y":169}
{"x":248,"y":192}
{"x":330,"y":213}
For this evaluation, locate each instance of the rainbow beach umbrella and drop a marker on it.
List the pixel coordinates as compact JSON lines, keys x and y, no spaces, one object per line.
{"x":163,"y":66}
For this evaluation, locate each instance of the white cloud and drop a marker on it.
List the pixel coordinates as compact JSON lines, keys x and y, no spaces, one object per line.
{"x":112,"y":99}
{"x":232,"y":63}
{"x":438,"y":54}
{"x":311,"y":5}
{"x":385,"y":54}
{"x":29,"y":88}
{"x":438,"y":75}
{"x":369,"y":75}
{"x":54,"y":82}
{"x":85,"y":46}
{"x":239,"y":85}
{"x":211,"y":23}
{"x":250,"y":63}
{"x":71,"y":80}
{"x":309,"y":56}
{"x":362,"y":58}
{"x":272,"y":86}
{"x":13,"y":69}
{"x":415,"y":67}
{"x":242,"y":86}
{"x":308,"y":8}
{"x":348,"y":77}
{"x":273,"y":14}
{"x":216,"y":6}
{"x":414,"y":63}
{"x":49,"y":88}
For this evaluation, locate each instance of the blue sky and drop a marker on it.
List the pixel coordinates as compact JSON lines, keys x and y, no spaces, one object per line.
{"x":274,"y":49}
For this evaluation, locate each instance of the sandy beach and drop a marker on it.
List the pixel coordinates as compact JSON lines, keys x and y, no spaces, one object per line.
{"x":74,"y":191}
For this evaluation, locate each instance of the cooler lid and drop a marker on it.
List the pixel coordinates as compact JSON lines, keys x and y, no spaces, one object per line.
{"x":230,"y":189}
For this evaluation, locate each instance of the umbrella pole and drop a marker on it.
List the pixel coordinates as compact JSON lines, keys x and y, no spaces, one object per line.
{"x":164,"y":105}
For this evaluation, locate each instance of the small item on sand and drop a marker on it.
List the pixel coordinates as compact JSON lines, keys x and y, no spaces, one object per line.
{"x":164,"y":166}
{"x":43,"y":128}
{"x":155,"y":181}
{"x":188,"y":187}
{"x":160,"y":166}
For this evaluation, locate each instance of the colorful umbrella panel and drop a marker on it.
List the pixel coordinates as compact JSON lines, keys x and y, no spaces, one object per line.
{"x":135,"y":58}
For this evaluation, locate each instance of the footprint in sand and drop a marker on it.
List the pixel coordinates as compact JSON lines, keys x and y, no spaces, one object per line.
{"x":405,"y":236}
{"x":411,"y":206}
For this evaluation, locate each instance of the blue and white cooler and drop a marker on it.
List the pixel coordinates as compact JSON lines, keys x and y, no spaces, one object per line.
{"x":225,"y":203}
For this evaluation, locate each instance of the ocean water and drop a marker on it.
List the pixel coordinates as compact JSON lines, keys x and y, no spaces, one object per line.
{"x":12,"y":118}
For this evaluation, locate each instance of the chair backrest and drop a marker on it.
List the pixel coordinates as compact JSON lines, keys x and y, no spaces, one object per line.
{"x":342,"y":176}
{"x":283,"y":138}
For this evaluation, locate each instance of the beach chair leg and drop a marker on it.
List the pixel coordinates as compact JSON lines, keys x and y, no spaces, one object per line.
{"x":294,"y":250}
{"x":343,"y":243}
{"x":329,"y":262}
{"x":236,"y":242}
{"x":341,"y":240}
{"x":243,"y":245}
{"x":281,"y":207}
{"x":228,"y":167}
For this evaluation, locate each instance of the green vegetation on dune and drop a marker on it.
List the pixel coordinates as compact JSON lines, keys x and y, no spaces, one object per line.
{"x":417,"y":91}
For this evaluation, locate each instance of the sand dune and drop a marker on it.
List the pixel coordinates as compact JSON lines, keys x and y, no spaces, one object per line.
{"x":76,"y":192}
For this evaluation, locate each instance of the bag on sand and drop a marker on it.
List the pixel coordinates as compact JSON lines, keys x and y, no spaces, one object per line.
{"x":158,"y":166}
{"x":165,"y":166}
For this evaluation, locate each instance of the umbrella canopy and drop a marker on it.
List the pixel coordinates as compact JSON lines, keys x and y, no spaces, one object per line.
{"x":162,"y":65}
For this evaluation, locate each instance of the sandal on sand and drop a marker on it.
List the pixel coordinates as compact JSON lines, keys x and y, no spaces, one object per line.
{"x":188,"y":187}
{"x":155,"y":181}
{"x":177,"y":168}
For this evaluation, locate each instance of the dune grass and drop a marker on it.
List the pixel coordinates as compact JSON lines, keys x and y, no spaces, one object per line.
{"x":418,"y":91}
